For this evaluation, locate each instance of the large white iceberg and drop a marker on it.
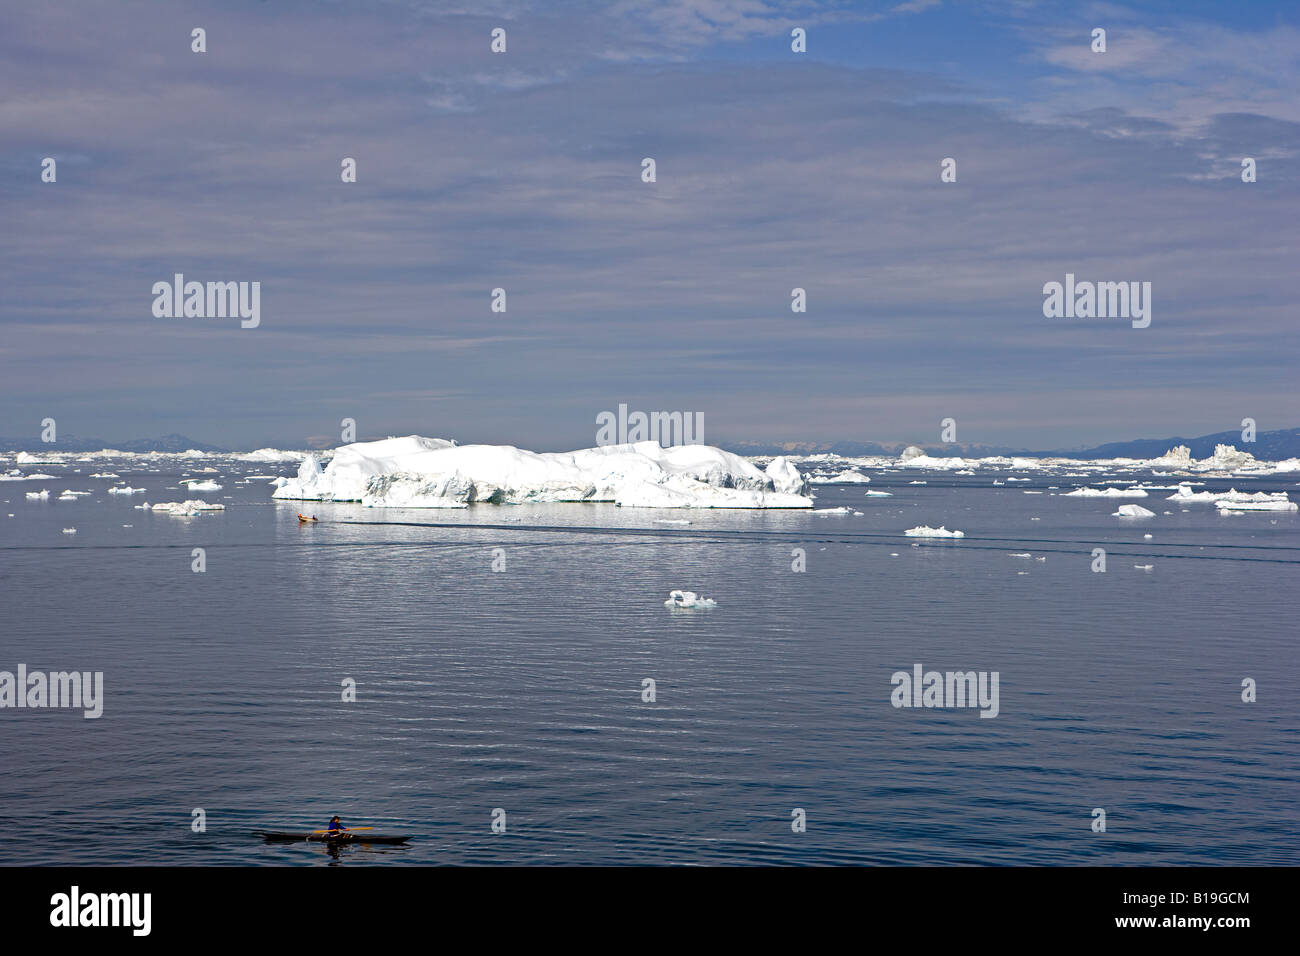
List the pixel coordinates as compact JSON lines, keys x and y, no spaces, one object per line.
{"x":415,"y":472}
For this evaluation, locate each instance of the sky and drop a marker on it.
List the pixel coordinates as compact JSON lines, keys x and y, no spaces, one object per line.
{"x":522,"y":170}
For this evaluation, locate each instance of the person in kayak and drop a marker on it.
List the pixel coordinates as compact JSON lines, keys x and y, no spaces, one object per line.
{"x":336,"y":825}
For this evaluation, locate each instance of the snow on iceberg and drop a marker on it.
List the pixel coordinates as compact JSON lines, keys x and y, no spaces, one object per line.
{"x":416,"y":472}
{"x":688,"y":599}
{"x":925,"y":531}
{"x":1132,"y":511}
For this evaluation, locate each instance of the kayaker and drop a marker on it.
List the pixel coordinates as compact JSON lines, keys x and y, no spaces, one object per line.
{"x":336,"y":825}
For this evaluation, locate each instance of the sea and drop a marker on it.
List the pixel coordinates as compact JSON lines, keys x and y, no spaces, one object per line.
{"x":505,"y":684}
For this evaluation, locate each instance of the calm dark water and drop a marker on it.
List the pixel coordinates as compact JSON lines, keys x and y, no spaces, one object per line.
{"x":522,"y":689}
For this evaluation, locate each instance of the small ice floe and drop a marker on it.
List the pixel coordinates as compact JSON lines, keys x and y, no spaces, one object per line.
{"x":831,"y":511}
{"x":1035,"y":519}
{"x":126,"y":491}
{"x":878,"y":494}
{"x":858,"y":514}
{"x":128,"y":526}
{"x":1031,"y":492}
{"x":688,"y":599}
{"x":67,"y":497}
{"x":183,"y":509}
{"x":925,"y":531}
{"x":69,"y":530}
{"x":202,"y":485}
{"x":1024,"y":554}
{"x":1019,"y":479}
{"x":998,"y":484}
{"x":42,"y":495}
{"x":1144,"y":567}
{"x":1147,"y":536}
{"x":893,"y":554}
{"x":1132,"y":511}
{"x":916,"y":482}
{"x":1040,"y":559}
{"x":670,"y":521}
{"x":105,"y":474}
{"x":1021,"y":572}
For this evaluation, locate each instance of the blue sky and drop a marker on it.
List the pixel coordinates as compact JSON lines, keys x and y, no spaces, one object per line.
{"x":774,"y":170}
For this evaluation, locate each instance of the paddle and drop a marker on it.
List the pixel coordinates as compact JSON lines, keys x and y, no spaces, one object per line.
{"x":343,"y":830}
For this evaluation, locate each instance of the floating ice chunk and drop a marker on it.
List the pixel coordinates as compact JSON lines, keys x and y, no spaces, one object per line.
{"x":925,"y":531}
{"x":831,"y":511}
{"x":1024,"y":554}
{"x":42,"y":495}
{"x":206,"y":485}
{"x":917,"y":482}
{"x":1040,"y":559}
{"x":878,"y":494}
{"x":1144,"y":567}
{"x":105,"y":474}
{"x":125,"y":491}
{"x":1132,"y":511}
{"x":67,"y":497}
{"x":185,"y":508}
{"x":1106,"y":493}
{"x":1259,"y":501}
{"x":69,"y":530}
{"x":1147,"y":536}
{"x":688,"y":599}
{"x":843,"y":478}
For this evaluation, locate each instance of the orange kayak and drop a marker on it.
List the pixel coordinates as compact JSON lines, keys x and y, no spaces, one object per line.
{"x":304,"y":518}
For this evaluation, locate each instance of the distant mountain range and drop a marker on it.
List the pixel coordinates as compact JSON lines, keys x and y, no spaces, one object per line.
{"x":1268,"y":446}
{"x":167,"y":443}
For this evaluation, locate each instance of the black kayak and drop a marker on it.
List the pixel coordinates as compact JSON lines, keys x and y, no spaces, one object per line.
{"x":278,"y":836}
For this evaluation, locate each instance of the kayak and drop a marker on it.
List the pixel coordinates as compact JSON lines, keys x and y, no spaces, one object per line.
{"x":302,"y":518}
{"x":278,"y":836}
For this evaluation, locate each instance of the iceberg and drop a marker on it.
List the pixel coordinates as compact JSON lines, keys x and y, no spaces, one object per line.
{"x":688,"y":599}
{"x":202,"y":485}
{"x":1133,"y":511}
{"x":1260,"y":501}
{"x":925,"y":531}
{"x":42,"y":495}
{"x":183,"y":509}
{"x":843,"y":478}
{"x":125,"y":491}
{"x":417,"y":472}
